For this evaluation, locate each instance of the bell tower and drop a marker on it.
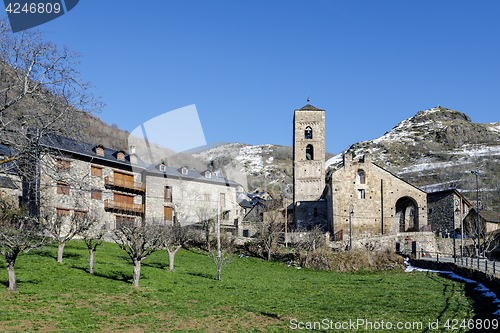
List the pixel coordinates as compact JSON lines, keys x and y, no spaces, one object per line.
{"x":308,"y":157}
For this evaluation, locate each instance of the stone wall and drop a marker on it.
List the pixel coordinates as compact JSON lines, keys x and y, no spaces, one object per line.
{"x":446,"y":210}
{"x":81,"y":183}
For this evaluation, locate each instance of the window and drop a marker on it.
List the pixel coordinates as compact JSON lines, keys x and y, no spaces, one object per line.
{"x":222,"y":200}
{"x":163,"y":167}
{"x":361,"y":177}
{"x":99,"y":150}
{"x":62,"y":212}
{"x":96,"y":194}
{"x":95,"y":171}
{"x":62,"y":165}
{"x":167,"y":213}
{"x":184,"y":171}
{"x":361,"y":194}
{"x":208,"y":174}
{"x":123,"y":220}
{"x":308,"y":133}
{"x":309,"y":153}
{"x":120,"y":156}
{"x":168,"y":194}
{"x":207,"y":197}
{"x":62,"y":188}
{"x":225,"y":215}
{"x":80,"y":213}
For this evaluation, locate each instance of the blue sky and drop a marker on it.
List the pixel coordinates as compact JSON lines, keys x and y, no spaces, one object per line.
{"x":247,"y":65}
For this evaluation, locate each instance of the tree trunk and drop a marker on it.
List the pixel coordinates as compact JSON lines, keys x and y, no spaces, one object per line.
{"x":60,"y":249}
{"x":12,"y":274}
{"x":137,"y":273}
{"x":269,"y":254}
{"x":171,"y":257}
{"x":218,"y":274}
{"x":91,"y":261}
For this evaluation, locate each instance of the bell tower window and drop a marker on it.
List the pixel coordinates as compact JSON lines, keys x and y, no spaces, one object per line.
{"x":309,"y":153}
{"x":308,"y":133}
{"x":361,"y":177}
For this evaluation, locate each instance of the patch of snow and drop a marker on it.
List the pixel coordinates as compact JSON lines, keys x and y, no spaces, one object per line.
{"x":334,"y":160}
{"x":479,"y":150}
{"x":494,"y":127}
{"x":485,"y":292}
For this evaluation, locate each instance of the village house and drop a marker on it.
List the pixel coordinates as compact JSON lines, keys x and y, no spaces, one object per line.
{"x":75,"y":177}
{"x":446,"y":211}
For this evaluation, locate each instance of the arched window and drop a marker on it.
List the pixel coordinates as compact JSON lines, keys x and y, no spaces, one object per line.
{"x":308,"y":133}
{"x":361,"y":177}
{"x":309,"y":153}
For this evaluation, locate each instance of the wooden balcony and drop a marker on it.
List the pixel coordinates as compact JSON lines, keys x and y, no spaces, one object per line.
{"x":125,"y":185}
{"x":123,"y":206}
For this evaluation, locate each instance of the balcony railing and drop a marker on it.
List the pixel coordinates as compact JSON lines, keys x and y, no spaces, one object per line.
{"x":125,"y":184}
{"x":124,"y":206}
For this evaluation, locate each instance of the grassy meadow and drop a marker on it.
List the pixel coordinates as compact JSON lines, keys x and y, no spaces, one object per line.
{"x":254,"y":295}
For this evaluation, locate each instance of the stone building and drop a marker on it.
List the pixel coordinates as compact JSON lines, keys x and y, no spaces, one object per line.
{"x":446,"y":211}
{"x":79,"y":178}
{"x":10,"y":183}
{"x":360,"y":194}
{"x":308,"y":166}
{"x":369,"y":200}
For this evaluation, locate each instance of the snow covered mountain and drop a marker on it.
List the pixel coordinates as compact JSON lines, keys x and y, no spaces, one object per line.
{"x":436,"y":149}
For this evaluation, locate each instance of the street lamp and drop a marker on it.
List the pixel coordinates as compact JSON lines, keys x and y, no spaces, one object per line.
{"x":457,"y":210}
{"x":351,"y":211}
{"x":476,"y":172}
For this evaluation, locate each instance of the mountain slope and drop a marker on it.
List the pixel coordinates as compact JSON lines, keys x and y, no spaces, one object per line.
{"x":437,"y":149}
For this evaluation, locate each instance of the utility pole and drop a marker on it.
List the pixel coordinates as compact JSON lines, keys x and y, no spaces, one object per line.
{"x":286,"y":221}
{"x":351,"y":211}
{"x":476,"y":172}
{"x":218,"y":227}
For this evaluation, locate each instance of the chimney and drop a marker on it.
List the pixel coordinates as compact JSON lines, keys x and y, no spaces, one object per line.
{"x":131,"y":149}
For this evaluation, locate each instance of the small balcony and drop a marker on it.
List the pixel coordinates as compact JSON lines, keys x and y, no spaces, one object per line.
{"x":125,"y":185}
{"x":124,"y":206}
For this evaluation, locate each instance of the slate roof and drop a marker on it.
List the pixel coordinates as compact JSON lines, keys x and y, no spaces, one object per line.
{"x":490,"y":216}
{"x":6,"y":182}
{"x":172,"y":172}
{"x":452,"y":190}
{"x":10,"y":166}
{"x":65,"y":144}
{"x":86,"y":149}
{"x":309,"y":107}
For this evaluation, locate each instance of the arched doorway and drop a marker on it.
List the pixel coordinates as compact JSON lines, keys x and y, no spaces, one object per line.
{"x":407,"y":214}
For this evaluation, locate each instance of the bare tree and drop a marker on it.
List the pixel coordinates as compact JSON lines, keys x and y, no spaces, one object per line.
{"x":470,"y":227}
{"x":175,"y":237}
{"x":221,"y":259}
{"x":93,"y":233}
{"x":270,"y":231}
{"x":18,"y":233}
{"x":41,"y":93}
{"x":62,"y":228}
{"x":139,"y":241}
{"x":312,"y":240}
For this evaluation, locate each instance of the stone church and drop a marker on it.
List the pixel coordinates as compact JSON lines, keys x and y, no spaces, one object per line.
{"x":360,"y":197}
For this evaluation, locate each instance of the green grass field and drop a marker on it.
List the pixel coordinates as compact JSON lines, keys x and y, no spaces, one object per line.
{"x":254,"y":295}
